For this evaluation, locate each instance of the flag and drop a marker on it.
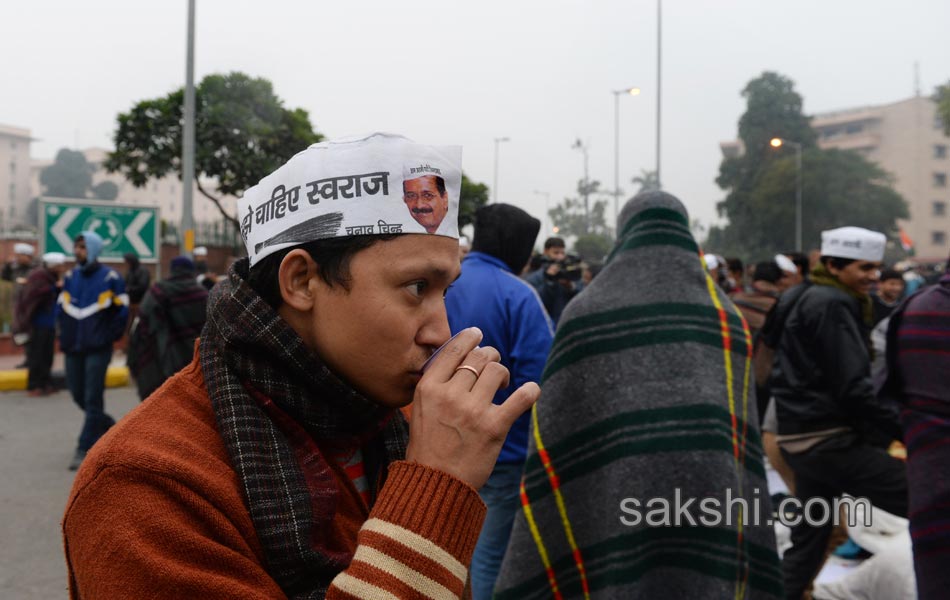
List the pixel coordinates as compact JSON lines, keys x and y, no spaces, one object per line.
{"x":906,"y":243}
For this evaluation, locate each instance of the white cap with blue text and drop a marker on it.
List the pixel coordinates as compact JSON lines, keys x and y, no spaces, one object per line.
{"x":347,"y":187}
{"x":853,"y":242}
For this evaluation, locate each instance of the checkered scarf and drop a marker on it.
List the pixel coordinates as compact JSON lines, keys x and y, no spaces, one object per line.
{"x":274,"y":401}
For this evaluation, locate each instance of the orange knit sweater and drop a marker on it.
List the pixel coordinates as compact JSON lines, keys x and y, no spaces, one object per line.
{"x":156,"y":511}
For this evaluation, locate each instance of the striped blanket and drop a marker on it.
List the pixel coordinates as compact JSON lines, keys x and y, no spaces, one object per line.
{"x":647,"y":394}
{"x":918,"y":357}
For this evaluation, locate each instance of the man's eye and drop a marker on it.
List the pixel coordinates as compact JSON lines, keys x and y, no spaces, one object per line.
{"x":417,"y":288}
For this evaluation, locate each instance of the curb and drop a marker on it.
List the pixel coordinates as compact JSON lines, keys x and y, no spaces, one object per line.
{"x":15,"y":379}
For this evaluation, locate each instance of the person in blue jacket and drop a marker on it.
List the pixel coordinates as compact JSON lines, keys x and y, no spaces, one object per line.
{"x":490,"y":295}
{"x":92,"y":311}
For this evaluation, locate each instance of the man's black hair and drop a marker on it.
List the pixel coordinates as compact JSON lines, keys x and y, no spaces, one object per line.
{"x":554,"y":242}
{"x":333,"y":255}
{"x":836,"y":261}
{"x":733,"y":264}
{"x":890,"y":274}
{"x":767,"y":271}
{"x":800,"y":260}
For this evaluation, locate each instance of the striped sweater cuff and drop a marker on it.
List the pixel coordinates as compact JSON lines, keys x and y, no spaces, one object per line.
{"x":419,"y":539}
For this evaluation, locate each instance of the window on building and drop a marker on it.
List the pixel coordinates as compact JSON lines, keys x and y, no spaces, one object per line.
{"x":940,"y":208}
{"x":854,"y":128}
{"x":940,"y":151}
{"x":830,"y":132}
{"x":940,"y":180}
{"x":938,"y":238}
{"x":171,"y":188}
{"x":938,"y":122}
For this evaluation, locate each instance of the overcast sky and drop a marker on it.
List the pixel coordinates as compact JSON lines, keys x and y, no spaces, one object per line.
{"x":538,"y":72}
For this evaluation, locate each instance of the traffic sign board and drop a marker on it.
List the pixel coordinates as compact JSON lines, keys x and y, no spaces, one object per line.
{"x":123,"y":227}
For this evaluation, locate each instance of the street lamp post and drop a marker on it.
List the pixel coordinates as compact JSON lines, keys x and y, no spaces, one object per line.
{"x":633,"y":91}
{"x":585,"y":187}
{"x":778,"y":143}
{"x":547,"y":208}
{"x":495,"y":186}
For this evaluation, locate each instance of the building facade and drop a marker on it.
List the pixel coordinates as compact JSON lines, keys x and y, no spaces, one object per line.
{"x":907,"y":140}
{"x":15,"y":191}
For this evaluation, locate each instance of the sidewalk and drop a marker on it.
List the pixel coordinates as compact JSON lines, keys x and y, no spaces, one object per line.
{"x":12,"y":378}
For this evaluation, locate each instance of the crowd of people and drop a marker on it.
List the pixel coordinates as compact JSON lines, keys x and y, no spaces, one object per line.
{"x":399,"y":413}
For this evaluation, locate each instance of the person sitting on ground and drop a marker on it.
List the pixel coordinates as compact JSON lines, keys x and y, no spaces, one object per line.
{"x":890,"y":290}
{"x":277,"y":464}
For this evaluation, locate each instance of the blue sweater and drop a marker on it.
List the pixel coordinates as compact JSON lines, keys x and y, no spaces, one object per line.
{"x":92,"y":309}
{"x":513,"y":320}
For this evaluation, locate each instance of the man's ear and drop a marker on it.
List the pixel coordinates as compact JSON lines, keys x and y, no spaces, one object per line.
{"x":294,"y":278}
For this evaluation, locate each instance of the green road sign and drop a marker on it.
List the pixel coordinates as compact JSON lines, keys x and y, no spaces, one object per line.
{"x":123,"y":227}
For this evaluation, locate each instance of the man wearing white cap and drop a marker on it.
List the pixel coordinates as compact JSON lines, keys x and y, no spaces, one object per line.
{"x":825,"y":401}
{"x":17,"y":271}
{"x":277,"y":464}
{"x":35,"y":317}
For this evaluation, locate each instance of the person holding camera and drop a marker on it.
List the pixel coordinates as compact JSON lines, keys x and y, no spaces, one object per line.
{"x":558,"y":279}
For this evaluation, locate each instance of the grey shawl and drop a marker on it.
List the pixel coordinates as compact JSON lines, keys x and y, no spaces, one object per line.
{"x":647,"y":393}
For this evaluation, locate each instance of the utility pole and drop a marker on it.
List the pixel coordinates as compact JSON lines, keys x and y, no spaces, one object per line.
{"x":585,"y":185}
{"x":187,"y":240}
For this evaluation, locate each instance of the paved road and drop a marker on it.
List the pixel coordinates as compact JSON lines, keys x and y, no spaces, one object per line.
{"x":37,"y":440}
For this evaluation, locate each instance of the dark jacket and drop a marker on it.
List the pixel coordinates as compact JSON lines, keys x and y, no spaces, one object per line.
{"x":162,"y":340}
{"x":821,"y":377}
{"x":36,"y":307}
{"x":136,"y":280}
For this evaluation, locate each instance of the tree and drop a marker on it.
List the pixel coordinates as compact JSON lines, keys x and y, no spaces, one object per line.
{"x":942,"y":97}
{"x":838,"y":187}
{"x":69,"y":176}
{"x":243,"y":132}
{"x":647,"y":180}
{"x":473,"y":196}
{"x":105,"y":190}
{"x":593,"y":247}
{"x":571,"y":218}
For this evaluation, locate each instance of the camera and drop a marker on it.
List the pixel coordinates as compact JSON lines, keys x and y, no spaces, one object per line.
{"x":570,"y":268}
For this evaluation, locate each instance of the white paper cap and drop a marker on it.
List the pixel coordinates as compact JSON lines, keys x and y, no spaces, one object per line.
{"x":853,"y":242}
{"x":21,"y":248}
{"x":349,"y":187}
{"x":200,"y":251}
{"x":712,"y":262}
{"x":52,"y":259}
{"x":785,"y":263}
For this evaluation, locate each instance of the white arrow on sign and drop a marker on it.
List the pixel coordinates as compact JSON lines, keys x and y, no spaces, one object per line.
{"x":132,"y":233}
{"x":59,"y":228}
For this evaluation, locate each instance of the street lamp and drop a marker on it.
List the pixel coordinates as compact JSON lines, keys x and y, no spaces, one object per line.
{"x":495,"y":187}
{"x":632,"y":91}
{"x":778,"y":143}
{"x":585,"y":187}
{"x":547,"y":206}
